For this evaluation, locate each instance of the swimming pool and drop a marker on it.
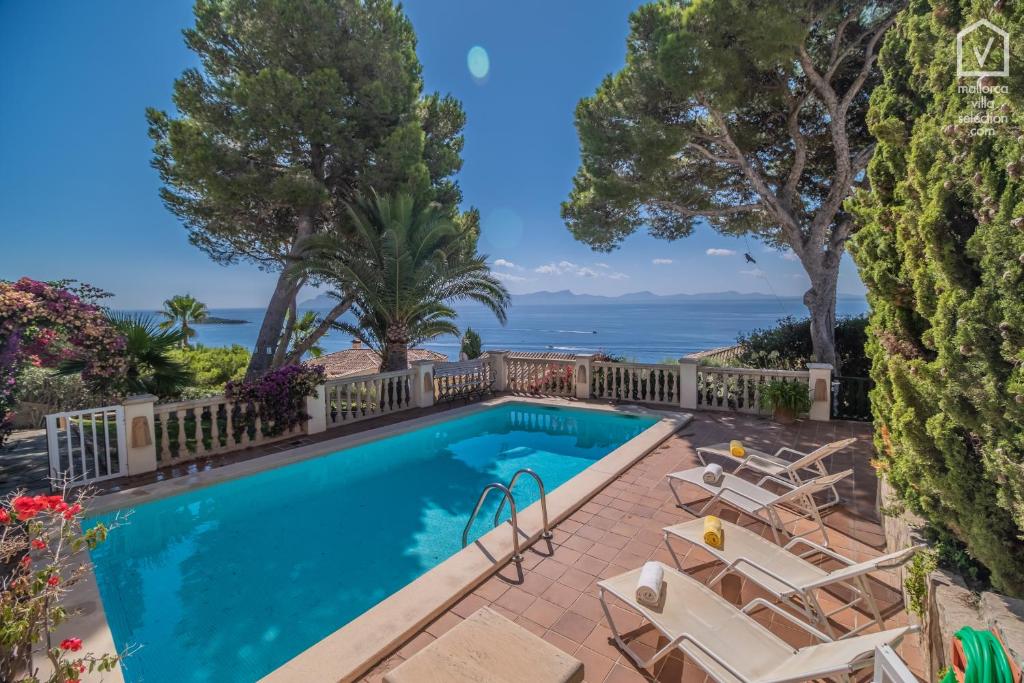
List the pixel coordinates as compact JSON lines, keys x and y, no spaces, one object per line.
{"x":228,"y":582}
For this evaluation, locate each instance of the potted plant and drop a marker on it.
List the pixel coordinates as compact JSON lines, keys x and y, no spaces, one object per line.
{"x":787,"y":400}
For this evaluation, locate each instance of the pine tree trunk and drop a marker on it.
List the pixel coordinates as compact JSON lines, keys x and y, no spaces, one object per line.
{"x":277,"y":309}
{"x":820,"y":300}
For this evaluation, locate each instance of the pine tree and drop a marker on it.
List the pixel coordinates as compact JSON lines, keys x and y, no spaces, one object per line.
{"x":298,"y":105}
{"x":941,"y":251}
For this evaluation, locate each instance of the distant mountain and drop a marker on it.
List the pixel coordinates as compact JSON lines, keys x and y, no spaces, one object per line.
{"x":565,"y":296}
{"x":319,"y":301}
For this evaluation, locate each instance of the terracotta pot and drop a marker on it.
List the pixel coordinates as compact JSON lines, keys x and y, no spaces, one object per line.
{"x":784,"y":416}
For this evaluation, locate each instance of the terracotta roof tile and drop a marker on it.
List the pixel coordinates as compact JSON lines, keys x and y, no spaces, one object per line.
{"x":364,"y":361}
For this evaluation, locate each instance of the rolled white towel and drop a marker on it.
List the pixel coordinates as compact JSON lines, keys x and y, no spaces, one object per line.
{"x":648,"y":586}
{"x":712,"y":473}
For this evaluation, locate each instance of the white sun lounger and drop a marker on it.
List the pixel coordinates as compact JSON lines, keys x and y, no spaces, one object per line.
{"x":757,"y":501}
{"x":777,"y":466}
{"x":729,"y":644}
{"x":788,"y":577}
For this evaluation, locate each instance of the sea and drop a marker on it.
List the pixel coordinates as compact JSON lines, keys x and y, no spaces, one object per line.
{"x":647,"y":332}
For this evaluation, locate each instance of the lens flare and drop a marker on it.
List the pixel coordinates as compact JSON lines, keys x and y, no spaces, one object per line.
{"x":478,"y":62}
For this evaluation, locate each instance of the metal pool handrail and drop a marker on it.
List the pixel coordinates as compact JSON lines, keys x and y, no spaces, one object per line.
{"x":506,"y":494}
{"x":543,"y":499}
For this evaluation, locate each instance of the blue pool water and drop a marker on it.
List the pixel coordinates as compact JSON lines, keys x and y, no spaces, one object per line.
{"x":228,"y":582}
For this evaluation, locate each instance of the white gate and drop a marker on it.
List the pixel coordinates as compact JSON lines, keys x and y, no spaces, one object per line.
{"x":87,"y":445}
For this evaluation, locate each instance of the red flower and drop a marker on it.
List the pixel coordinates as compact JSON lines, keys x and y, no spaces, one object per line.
{"x":73,"y":680}
{"x":53,"y":580}
{"x":72,"y":644}
{"x":26,"y":561}
{"x":5,"y":517}
{"x":70,"y":512}
{"x":80,"y":667}
{"x":26,"y":507}
{"x":38,"y":544}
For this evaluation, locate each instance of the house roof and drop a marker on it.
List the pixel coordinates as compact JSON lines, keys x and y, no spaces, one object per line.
{"x":364,"y":361}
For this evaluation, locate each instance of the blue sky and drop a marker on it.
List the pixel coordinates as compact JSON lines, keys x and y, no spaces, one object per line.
{"x":78,"y":198}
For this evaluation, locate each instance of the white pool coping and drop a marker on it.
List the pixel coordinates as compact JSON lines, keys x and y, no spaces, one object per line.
{"x":354,"y":648}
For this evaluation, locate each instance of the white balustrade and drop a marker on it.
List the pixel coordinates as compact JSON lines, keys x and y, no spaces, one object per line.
{"x":540,"y":376}
{"x":739,"y":389}
{"x":350,"y":399}
{"x":640,"y":382}
{"x":186,"y":430}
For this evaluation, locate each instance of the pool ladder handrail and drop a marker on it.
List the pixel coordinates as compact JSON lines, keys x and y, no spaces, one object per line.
{"x":546,"y":533}
{"x":517,"y":556}
{"x":506,"y":494}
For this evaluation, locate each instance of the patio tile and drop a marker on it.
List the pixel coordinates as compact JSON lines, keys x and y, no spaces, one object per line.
{"x":543,"y":612}
{"x":595,"y":666}
{"x":567,"y":645}
{"x":561,"y":595}
{"x":574,"y":626}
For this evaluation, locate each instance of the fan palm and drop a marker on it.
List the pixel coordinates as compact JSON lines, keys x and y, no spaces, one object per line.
{"x":183,"y":311}
{"x":303,"y":327}
{"x":404,"y":266}
{"x":148,"y":349}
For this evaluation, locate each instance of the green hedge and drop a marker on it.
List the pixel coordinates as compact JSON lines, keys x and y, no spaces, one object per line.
{"x":941,"y":251}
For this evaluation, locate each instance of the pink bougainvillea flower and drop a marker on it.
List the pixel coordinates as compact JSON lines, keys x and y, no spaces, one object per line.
{"x":53,"y":580}
{"x":71,"y":644}
{"x":26,"y":561}
{"x":72,"y":510}
{"x":5,"y":517}
{"x":38,"y":544}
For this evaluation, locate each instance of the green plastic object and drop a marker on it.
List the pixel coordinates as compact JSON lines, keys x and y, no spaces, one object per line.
{"x":986,"y":660}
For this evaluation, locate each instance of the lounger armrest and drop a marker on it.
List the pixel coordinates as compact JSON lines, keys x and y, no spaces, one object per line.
{"x":787,"y":449}
{"x":764,"y":570}
{"x":726,"y":487}
{"x":761,"y":602}
{"x":799,"y":540}
{"x":782,"y":482}
{"x":678,"y":640}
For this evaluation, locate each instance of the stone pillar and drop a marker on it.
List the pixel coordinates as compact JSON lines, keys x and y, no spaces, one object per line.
{"x":820,"y":386}
{"x":688,"y":383}
{"x":423,"y":383}
{"x":316,"y":408}
{"x":140,"y":433}
{"x":500,"y":369}
{"x":584,"y":374}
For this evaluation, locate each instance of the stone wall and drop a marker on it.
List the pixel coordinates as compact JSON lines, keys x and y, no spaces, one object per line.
{"x":951,"y":605}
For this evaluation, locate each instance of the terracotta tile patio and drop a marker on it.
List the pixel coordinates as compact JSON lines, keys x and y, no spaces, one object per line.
{"x":554,"y":595}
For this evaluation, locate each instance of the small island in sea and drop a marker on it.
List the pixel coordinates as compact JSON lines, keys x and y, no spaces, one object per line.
{"x":214,"y":320}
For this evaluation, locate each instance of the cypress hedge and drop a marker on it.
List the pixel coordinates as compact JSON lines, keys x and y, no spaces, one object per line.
{"x":941,"y":251}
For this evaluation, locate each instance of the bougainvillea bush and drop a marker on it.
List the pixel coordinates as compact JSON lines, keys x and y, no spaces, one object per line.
{"x":44,"y":325}
{"x":941,"y":250}
{"x":40,"y":541}
{"x":279,"y":396}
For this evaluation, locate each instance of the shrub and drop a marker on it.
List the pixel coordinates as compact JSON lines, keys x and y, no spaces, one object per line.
{"x":40,"y":537}
{"x":279,"y":396}
{"x":787,"y":346}
{"x":793,"y":397}
{"x":212,"y":368}
{"x":939,"y":249}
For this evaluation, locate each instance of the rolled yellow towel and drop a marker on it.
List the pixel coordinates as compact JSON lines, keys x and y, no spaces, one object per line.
{"x":736,"y":449}
{"x":714,"y":534}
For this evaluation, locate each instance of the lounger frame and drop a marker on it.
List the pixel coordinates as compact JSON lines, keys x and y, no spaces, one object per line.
{"x":799,"y":496}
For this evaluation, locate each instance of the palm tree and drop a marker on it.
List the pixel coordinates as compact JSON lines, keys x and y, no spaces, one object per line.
{"x":404,"y":266}
{"x":182,"y":311}
{"x":148,"y":348}
{"x":302,"y":328}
